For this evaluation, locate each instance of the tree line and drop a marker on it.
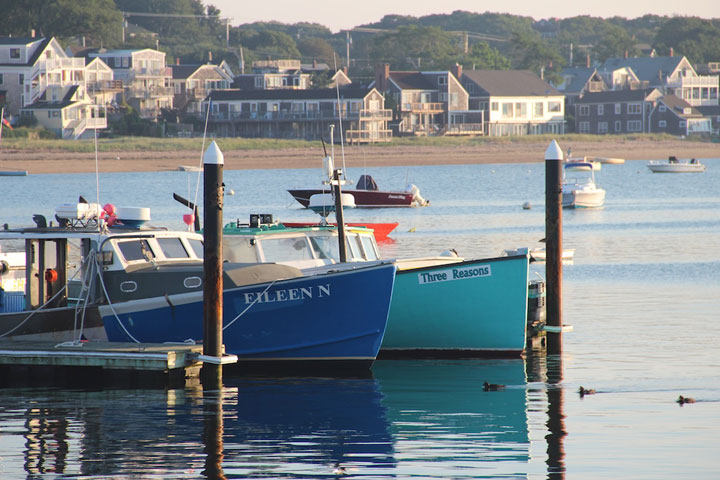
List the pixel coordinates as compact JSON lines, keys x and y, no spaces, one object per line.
{"x":187,"y":30}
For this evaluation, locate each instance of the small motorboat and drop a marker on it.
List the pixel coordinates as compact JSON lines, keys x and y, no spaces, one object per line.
{"x":579,"y":189}
{"x":673,"y":165}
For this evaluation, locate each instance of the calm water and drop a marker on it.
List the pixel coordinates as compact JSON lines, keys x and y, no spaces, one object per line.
{"x":643,"y":296}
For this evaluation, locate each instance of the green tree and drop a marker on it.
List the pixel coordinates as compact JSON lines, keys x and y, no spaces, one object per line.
{"x":483,"y":57}
{"x":415,"y":47}
{"x":530,"y":52}
{"x":314,"y":48}
{"x":695,"y":38}
{"x":615,"y":43}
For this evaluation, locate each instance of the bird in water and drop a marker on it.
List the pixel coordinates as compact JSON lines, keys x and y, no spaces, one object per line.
{"x":492,"y":387}
{"x":683,"y":400}
{"x":339,"y":470}
{"x":585,"y":391}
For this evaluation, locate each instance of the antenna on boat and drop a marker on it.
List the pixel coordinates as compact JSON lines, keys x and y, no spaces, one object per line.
{"x":339,"y":107}
{"x":193,"y":219}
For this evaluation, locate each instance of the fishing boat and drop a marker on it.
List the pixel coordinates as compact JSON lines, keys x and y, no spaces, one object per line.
{"x":578,"y":186}
{"x":442,"y":306}
{"x":380,"y":230}
{"x":366,"y":193}
{"x":100,"y":276}
{"x":673,"y":165}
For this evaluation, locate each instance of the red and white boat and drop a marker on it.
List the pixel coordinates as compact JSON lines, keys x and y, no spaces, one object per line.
{"x":366,"y":193}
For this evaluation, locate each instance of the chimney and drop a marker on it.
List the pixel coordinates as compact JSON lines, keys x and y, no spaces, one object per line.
{"x":672,"y":52}
{"x":382,"y":74}
{"x":177,"y":60}
{"x":345,"y":69}
{"x":314,"y":62}
{"x":456,"y":70}
{"x":32,"y":33}
{"x":587,"y":60}
{"x":209,"y":57}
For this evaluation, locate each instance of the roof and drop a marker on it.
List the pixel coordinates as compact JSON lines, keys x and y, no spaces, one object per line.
{"x":646,"y":68}
{"x":510,"y":83}
{"x":4,"y":40}
{"x":709,"y":110}
{"x":287,"y":94}
{"x":36,"y":54}
{"x":677,"y":105}
{"x":578,"y":78}
{"x":43,"y":105}
{"x":183,"y":71}
{"x":412,"y":81}
{"x":616,"y":96}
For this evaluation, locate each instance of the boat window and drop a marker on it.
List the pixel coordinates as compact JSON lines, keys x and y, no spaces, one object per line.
{"x":326,"y":247}
{"x":286,"y":249}
{"x":173,"y":248}
{"x":369,"y":247}
{"x":197,"y":246}
{"x":239,"y":249}
{"x":134,"y":250}
{"x":354,"y":248}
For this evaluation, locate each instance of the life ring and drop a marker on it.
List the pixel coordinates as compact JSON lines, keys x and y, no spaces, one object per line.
{"x":4,"y":267}
{"x":51,"y":275}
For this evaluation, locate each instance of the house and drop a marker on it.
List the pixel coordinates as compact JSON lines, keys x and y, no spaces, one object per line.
{"x":616,"y":111}
{"x":424,"y":102}
{"x":713,"y":113}
{"x":273,"y":75}
{"x":675,"y":116}
{"x":146,"y":79}
{"x":31,"y":65}
{"x":71,"y":117}
{"x":514,"y":102}
{"x":100,"y":84}
{"x":192,"y":83}
{"x":674,"y":75}
{"x":304,"y":114}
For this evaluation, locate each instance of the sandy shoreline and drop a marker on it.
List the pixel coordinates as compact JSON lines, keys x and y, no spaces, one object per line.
{"x":38,"y":162}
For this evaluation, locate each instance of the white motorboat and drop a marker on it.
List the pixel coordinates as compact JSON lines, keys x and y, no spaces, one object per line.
{"x":673,"y":165}
{"x":579,"y":189}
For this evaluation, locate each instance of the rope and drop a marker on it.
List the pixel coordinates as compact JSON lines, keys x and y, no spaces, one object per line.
{"x":257,"y":297}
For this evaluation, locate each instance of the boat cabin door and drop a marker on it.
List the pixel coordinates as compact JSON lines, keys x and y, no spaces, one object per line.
{"x":46,"y":272}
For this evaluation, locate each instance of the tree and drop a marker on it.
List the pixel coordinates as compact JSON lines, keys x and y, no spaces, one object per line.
{"x":483,"y":57}
{"x":695,"y":38}
{"x":415,"y":47}
{"x":313,"y":48}
{"x":530,"y":52}
{"x":615,"y":43}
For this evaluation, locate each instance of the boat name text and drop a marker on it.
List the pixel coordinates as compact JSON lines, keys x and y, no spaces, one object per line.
{"x":288,"y":294}
{"x":451,"y":274}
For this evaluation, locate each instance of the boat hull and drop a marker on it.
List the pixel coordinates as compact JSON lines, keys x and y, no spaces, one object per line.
{"x":363,"y":198}
{"x":459,"y":309}
{"x":582,"y":199}
{"x":380,"y":230}
{"x":338,"y":318}
{"x":52,"y":324}
{"x":677,"y":168}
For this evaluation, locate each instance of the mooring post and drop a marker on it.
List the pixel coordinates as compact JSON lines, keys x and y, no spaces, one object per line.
{"x":213,"y":160}
{"x":553,"y":239}
{"x":337,"y":191}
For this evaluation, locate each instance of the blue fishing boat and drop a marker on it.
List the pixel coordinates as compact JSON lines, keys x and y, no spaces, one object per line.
{"x":443,"y":306}
{"x":284,"y":317}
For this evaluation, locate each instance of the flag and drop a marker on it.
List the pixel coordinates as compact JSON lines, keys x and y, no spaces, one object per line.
{"x":6,"y":122}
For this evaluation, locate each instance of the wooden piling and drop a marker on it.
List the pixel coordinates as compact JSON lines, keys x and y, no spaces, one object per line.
{"x":553,"y":241}
{"x":339,"y":216}
{"x":213,"y":160}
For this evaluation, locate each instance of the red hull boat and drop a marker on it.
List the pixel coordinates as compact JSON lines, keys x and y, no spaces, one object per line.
{"x":381,"y":230}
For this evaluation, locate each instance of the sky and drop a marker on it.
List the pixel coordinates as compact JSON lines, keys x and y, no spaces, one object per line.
{"x":340,"y":15}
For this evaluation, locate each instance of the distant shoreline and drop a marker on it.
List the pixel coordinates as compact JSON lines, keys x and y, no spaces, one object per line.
{"x":41,"y":161}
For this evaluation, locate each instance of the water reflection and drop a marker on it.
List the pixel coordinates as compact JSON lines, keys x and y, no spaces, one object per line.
{"x":414,"y":418}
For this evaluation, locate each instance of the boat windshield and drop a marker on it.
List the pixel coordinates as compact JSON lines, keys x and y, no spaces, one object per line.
{"x":286,"y":249}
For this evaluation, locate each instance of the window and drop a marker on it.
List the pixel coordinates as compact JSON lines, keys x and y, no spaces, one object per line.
{"x":555,"y":107}
{"x":539,"y":111}
{"x":494,"y":106}
{"x":583,"y":110}
{"x":136,"y":250}
{"x":601,"y":109}
{"x":602,"y":127}
{"x":662,"y":108}
{"x":584,"y":127}
{"x":442,"y":80}
{"x":618,"y":108}
{"x":1,"y":79}
{"x":507,"y":110}
{"x":197,"y":247}
{"x":521,"y":110}
{"x":370,"y":252}
{"x":634,"y":108}
{"x":14,"y":53}
{"x":173,"y":248}
{"x":634,"y":126}
{"x":21,"y":78}
{"x":618,"y":126}
{"x":682,"y":124}
{"x":286,"y":249}
{"x":662,"y":124}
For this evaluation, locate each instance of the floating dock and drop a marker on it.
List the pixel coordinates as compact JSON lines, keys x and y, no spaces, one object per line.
{"x":103,"y":362}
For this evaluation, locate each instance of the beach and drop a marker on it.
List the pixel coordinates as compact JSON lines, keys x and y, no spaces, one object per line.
{"x":38,"y":161}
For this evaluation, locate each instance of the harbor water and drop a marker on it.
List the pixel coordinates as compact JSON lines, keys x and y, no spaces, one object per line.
{"x":642,"y":295}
